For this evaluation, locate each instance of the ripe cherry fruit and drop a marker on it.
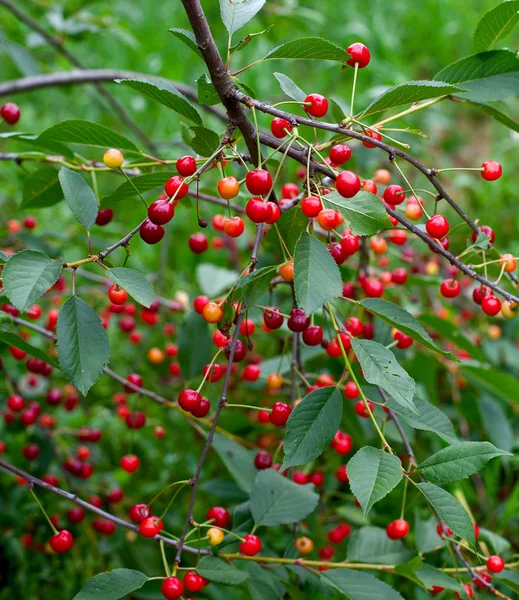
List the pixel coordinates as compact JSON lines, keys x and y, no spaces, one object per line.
{"x":258,"y":210}
{"x":172,"y":588}
{"x":347,"y":184}
{"x":318,"y":105}
{"x":491,"y":305}
{"x":186,"y":166}
{"x":397,"y":529}
{"x":212,"y":312}
{"x":311,"y":206}
{"x":495,"y":564}
{"x":10,"y":113}
{"x":189,"y":400}
{"x":117,"y":295}
{"x":151,"y":233}
{"x":340,"y":154}
{"x":328,"y":219}
{"x":492,"y":170}
{"x":161,"y":212}
{"x":219,"y":516}
{"x":374,"y":135}
{"x":450,"y":288}
{"x":175,"y":187}
{"x":150,"y":527}
{"x":194,"y":582}
{"x":394,"y":194}
{"x":234,"y":227}
{"x":359,"y":55}
{"x":139,"y":512}
{"x":278,"y":127}
{"x":104,"y":216}
{"x":279,"y":414}
{"x":62,"y":541}
{"x":198,"y":243}
{"x":130,"y":463}
{"x":258,"y":182}
{"x":228,"y":188}
{"x":437,"y":226}
{"x":251,"y":545}
{"x":298,"y":321}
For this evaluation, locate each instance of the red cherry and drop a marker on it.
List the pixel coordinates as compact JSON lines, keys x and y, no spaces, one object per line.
{"x":139,"y":512}
{"x":328,"y":219}
{"x":361,"y":410}
{"x":258,"y":182}
{"x":135,"y":379}
{"x":351,"y":390}
{"x":278,"y":127}
{"x":337,"y":252}
{"x":220,"y":516}
{"x":76,"y":515}
{"x":491,"y":305}
{"x":492,"y":170}
{"x":495,"y":564}
{"x":399,"y":276}
{"x":404,"y":341}
{"x":258,"y":210}
{"x":468,"y":590}
{"x":397,"y":529}
{"x":117,"y":295}
{"x":16,"y":403}
{"x":342,"y":475}
{"x":486,"y":230}
{"x":130,"y":463}
{"x":186,"y":166}
{"x":450,"y":288}
{"x":194,"y":582}
{"x":172,"y":588}
{"x":202,"y":410}
{"x":251,"y":373}
{"x":262,"y":460}
{"x":340,"y":154}
{"x":354,"y":326}
{"x":104,"y":216}
{"x":398,"y":236}
{"x":175,"y":187}
{"x":279,"y":414}
{"x":189,"y":400}
{"x":151,"y":233}
{"x":31,"y":451}
{"x":394,"y":194}
{"x":29,"y":223}
{"x":437,"y":226}
{"x":311,"y":206}
{"x":350,"y":244}
{"x":369,"y":186}
{"x":347,"y":184}
{"x":373,"y":287}
{"x":198,"y":243}
{"x":275,"y":213}
{"x":10,"y":113}
{"x":240,"y":351}
{"x":161,"y":212}
{"x":313,"y":336}
{"x":486,"y":577}
{"x":289,"y":190}
{"x":62,"y":541}
{"x":251,"y":545}
{"x":150,"y":527}
{"x":374,"y":135}
{"x":272,"y":318}
{"x":318,"y":107}
{"x":234,"y":227}
{"x":359,"y":54}
{"x":298,"y":321}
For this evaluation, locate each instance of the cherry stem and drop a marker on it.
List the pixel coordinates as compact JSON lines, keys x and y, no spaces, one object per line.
{"x":164,"y":559}
{"x":356,"y":69}
{"x":43,"y":510}
{"x":208,"y":371}
{"x":170,"y":485}
{"x":249,"y":406}
{"x":133,"y":186}
{"x":480,"y":169}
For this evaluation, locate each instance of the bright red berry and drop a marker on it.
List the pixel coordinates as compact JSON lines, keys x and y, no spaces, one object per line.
{"x":150,"y":527}
{"x":394,"y":194}
{"x":491,"y":305}
{"x":194,"y":582}
{"x":151,"y":233}
{"x":397,"y":529}
{"x":311,"y":206}
{"x":117,"y":295}
{"x":298,"y":321}
{"x":313,"y":336}
{"x":62,"y":541}
{"x":175,"y":187}
{"x":258,"y":182}
{"x":139,"y":512}
{"x":172,"y":588}
{"x":262,"y":460}
{"x":186,"y":166}
{"x":258,"y":210}
{"x":279,"y":414}
{"x":189,"y":400}
{"x":450,"y":288}
{"x":318,"y":107}
{"x":359,"y":54}
{"x":374,"y":135}
{"x":161,"y":212}
{"x":251,"y":545}
{"x":130,"y":463}
{"x":278,"y":127}
{"x":340,"y":154}
{"x":10,"y":113}
{"x":347,"y":184}
{"x":198,"y":243}
{"x":495,"y":564}
{"x":220,"y":516}
{"x":492,"y":170}
{"x":437,"y":226}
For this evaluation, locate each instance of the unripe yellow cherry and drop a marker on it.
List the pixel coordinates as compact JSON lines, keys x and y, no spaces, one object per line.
{"x":215,"y":536}
{"x":287,"y":271}
{"x":113,"y":158}
{"x":494,"y":332}
{"x":212,"y":313}
{"x":274,"y":381}
{"x":304,"y":545}
{"x":432,"y":268}
{"x":509,"y":309}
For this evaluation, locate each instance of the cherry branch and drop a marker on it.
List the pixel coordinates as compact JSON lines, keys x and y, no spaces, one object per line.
{"x":32,"y":480}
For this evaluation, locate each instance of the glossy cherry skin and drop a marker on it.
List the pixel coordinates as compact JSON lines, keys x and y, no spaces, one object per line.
{"x":318,"y":107}
{"x":251,"y":545}
{"x":495,"y":564}
{"x":117,"y":295}
{"x":278,"y":126}
{"x":374,"y":135}
{"x":161,"y":212}
{"x":272,"y":318}
{"x":104,"y":216}
{"x":175,"y":187}
{"x":347,"y":184}
{"x":239,"y":351}
{"x":397,"y":529}
{"x":279,"y":414}
{"x":150,"y":527}
{"x":313,"y":335}
{"x":359,"y":54}
{"x":202,"y":410}
{"x":311,"y":206}
{"x":340,"y":154}
{"x":258,"y":182}
{"x":189,"y":400}
{"x":491,"y":305}
{"x":486,"y":230}
{"x":298,"y":321}
{"x":62,"y":541}
{"x":186,"y":166}
{"x":262,"y":460}
{"x":450,"y":288}
{"x":394,"y":194}
{"x":258,"y":210}
{"x":220,"y":516}
{"x":10,"y":113}
{"x":492,"y":170}
{"x":151,"y":233}
{"x":234,"y":227}
{"x":194,"y":582}
{"x":198,"y":243}
{"x":139,"y":512}
{"x":437,"y":226}
{"x":328,"y":219}
{"x":130,"y":463}
{"x":172,"y":588}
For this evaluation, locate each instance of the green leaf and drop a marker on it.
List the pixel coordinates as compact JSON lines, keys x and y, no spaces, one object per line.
{"x":452,"y":333}
{"x":28,"y":275}
{"x":508,"y":578}
{"x":430,"y":418}
{"x":276,"y":500}
{"x":195,"y":345}
{"x":373,"y":474}
{"x":498,"y":543}
{"x":290,"y":88}
{"x":317,"y":278}
{"x":238,"y":460}
{"x":237,"y":13}
{"x":83,"y":347}
{"x":79,"y":196}
{"x":144,"y":183}
{"x":112,"y":585}
{"x":217,"y":570}
{"x":251,"y":287}
{"x":459,"y":461}
{"x":408,"y":93}
{"x":213,"y":280}
{"x":86,"y":133}
{"x":425,"y":534}
{"x":206,"y":91}
{"x":451,"y":512}
{"x":494,"y":380}
{"x":308,"y":48}
{"x":495,"y":25}
{"x":380,"y":367}
{"x":205,"y":141}
{"x":404,"y":321}
{"x":164,"y":93}
{"x":312,"y":426}
{"x":495,"y":422}
{"x":290,"y":226}
{"x":11,"y":339}
{"x":139,"y":288}
{"x":41,"y":189}
{"x":430,"y":576}
{"x":364,"y":213}
{"x":357,"y":585}
{"x":488,"y":76}
{"x":3,"y":257}
{"x":245,"y":41}
{"x":188,"y":38}
{"x":21,"y":57}
{"x":371,"y":545}
{"x":496,"y":114}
